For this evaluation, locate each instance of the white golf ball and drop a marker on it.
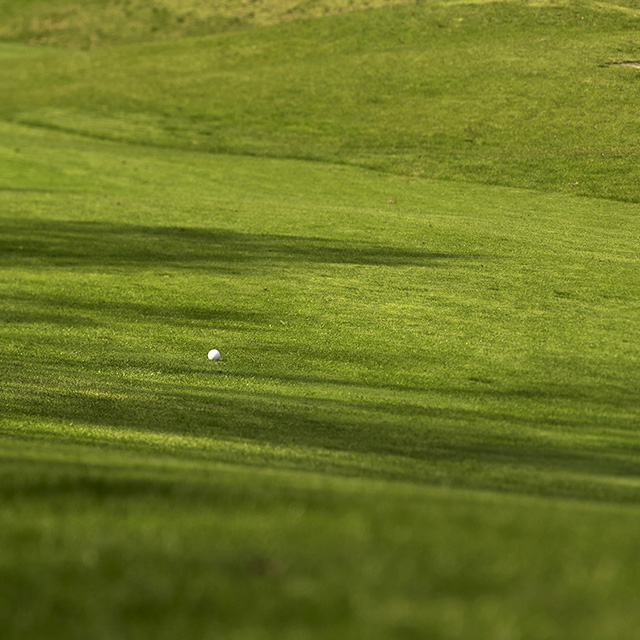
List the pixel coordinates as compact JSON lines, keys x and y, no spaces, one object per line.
{"x":214,"y":354}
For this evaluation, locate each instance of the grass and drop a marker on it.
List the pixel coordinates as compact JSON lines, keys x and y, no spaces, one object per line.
{"x":101,"y":23}
{"x":499,"y":93}
{"x":424,"y":422}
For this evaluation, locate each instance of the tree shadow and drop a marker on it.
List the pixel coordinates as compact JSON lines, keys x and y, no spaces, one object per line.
{"x":454,"y":445}
{"x":412,"y":440}
{"x":58,"y":243}
{"x":67,"y":311}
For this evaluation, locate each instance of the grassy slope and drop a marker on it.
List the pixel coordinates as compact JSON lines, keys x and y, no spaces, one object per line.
{"x":502,"y":93}
{"x":460,"y":337}
{"x":98,"y":23}
{"x":411,"y":368}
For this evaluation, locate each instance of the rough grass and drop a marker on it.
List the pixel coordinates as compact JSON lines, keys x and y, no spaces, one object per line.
{"x":99,"y":23}
{"x":501,"y":93}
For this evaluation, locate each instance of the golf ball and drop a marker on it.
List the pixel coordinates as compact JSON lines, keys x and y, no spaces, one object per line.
{"x":214,"y":354}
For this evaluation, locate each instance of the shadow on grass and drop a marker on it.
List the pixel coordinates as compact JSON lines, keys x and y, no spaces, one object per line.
{"x":67,"y":311}
{"x":453,"y":445}
{"x":60,"y":243}
{"x":405,"y":440}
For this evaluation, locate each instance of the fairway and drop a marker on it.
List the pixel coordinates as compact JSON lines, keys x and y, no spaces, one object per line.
{"x":422,"y":274}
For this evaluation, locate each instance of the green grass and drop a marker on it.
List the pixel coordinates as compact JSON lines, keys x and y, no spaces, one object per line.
{"x":500,"y":93}
{"x":460,"y":337}
{"x":90,"y":24}
{"x":424,"y":422}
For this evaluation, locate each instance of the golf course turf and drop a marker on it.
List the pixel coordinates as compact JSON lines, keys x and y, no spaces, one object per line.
{"x":412,"y":232}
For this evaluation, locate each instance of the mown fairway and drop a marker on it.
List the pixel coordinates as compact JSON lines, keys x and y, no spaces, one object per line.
{"x":425,"y":420}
